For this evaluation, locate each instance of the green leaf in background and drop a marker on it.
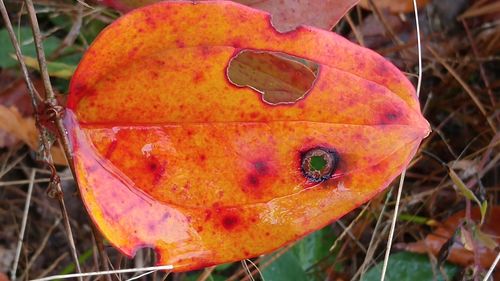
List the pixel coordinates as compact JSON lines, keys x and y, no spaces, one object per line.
{"x":25,"y":39}
{"x":195,"y":276}
{"x":296,"y":264}
{"x":406,"y":266}
{"x":285,"y":268}
{"x":314,"y":247}
{"x":55,"y":69}
{"x":89,"y":30}
{"x":467,"y":193}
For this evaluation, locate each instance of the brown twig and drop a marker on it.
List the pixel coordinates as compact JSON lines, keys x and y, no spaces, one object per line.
{"x":72,"y":34}
{"x":464,"y":85}
{"x":206,"y":273}
{"x":358,"y":35}
{"x":481,"y":67}
{"x":54,"y":114}
{"x":50,"y":96}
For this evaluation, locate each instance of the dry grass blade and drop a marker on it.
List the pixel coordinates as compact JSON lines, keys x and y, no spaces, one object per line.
{"x":206,"y":273}
{"x":492,"y":268}
{"x":100,"y":273}
{"x":466,"y":87}
{"x":50,"y":95}
{"x":23,"y":225}
{"x":401,"y":182}
{"x":348,"y":228}
{"x":492,"y":8}
{"x":393,"y":226}
{"x":40,"y":249}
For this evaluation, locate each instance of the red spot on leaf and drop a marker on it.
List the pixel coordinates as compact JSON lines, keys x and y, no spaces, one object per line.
{"x":230,"y":221}
{"x":198,"y":77}
{"x":156,"y":167}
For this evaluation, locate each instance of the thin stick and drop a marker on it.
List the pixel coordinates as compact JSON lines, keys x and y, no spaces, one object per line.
{"x":348,"y":228}
{"x":258,"y":270}
{"x":401,"y":182}
{"x":52,"y":101}
{"x":247,"y":269}
{"x":23,"y":225}
{"x":419,"y":48}
{"x":206,"y":273}
{"x":393,"y":225}
{"x":50,"y":96}
{"x":492,"y":268}
{"x":372,"y":246}
{"x":355,"y":31}
{"x":464,"y":85}
{"x":54,"y":264}
{"x":40,"y":249}
{"x":140,"y":275}
{"x":98,"y":273}
{"x":21,"y":182}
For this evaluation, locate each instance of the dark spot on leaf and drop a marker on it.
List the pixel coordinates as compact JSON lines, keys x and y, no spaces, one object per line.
{"x":253,"y":180}
{"x":165,"y":216}
{"x":261,"y":167}
{"x":156,"y":167}
{"x":390,"y":117}
{"x":318,"y":164}
{"x":279,"y":77}
{"x":230,"y":221}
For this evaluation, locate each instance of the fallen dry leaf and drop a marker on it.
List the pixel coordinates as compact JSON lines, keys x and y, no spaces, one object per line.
{"x":458,"y":254}
{"x":24,"y":129}
{"x":394,"y":6}
{"x":286,"y":14}
{"x":14,"y":93}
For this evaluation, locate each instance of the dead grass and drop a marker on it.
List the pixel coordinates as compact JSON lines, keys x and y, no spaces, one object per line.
{"x":461,"y":83}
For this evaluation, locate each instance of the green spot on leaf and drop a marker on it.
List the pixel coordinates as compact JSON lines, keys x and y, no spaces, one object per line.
{"x":318,"y":163}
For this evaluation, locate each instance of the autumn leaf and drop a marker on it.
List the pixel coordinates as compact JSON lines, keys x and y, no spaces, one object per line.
{"x":22,"y":128}
{"x":488,"y":237}
{"x":286,"y":14}
{"x":16,"y":118}
{"x":394,"y":6}
{"x":171,"y":153}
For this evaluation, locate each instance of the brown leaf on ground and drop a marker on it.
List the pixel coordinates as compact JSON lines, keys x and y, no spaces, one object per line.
{"x":458,"y":254}
{"x":24,"y":129}
{"x":286,"y":14}
{"x":14,"y":93}
{"x":375,"y":35}
{"x":394,"y":6}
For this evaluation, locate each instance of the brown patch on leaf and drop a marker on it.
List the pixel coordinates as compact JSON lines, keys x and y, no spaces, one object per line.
{"x":280,"y":78}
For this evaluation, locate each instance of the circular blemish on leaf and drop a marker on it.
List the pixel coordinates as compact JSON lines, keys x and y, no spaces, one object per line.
{"x":318,"y":164}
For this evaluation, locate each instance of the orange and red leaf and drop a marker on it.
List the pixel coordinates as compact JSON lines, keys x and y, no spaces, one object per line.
{"x":170,"y":154}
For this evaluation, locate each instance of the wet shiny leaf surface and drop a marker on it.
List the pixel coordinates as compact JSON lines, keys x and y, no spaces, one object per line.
{"x":170,"y":154}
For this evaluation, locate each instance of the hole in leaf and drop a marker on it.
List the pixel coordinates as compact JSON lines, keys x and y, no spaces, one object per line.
{"x":279,"y":77}
{"x":318,"y":164}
